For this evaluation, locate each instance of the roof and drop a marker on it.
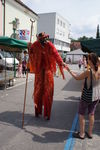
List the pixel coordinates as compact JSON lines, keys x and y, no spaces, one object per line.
{"x":76,"y":52}
{"x":11,"y":44}
{"x":22,"y":4}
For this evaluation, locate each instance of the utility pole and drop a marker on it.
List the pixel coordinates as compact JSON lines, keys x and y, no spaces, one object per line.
{"x":3,"y":3}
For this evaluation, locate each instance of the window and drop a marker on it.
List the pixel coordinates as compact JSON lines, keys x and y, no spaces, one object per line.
{"x":57,"y":21}
{"x":57,"y":42}
{"x":57,"y":31}
{"x":60,"y":32}
{"x":63,"y":25}
{"x":63,"y":33}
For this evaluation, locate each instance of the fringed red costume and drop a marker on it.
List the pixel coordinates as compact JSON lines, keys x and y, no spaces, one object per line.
{"x":43,"y":61}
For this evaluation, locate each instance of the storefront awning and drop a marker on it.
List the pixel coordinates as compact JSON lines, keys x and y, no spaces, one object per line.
{"x":10,"y":44}
{"x":91,"y":46}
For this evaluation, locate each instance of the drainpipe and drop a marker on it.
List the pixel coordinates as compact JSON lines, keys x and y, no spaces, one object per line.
{"x":4,"y":20}
{"x":3,"y":3}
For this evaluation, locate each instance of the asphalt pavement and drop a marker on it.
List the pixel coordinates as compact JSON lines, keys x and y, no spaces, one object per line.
{"x":39,"y":134}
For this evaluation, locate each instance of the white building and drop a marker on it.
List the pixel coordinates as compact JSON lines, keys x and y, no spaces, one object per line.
{"x":58,"y":29}
{"x":16,"y":11}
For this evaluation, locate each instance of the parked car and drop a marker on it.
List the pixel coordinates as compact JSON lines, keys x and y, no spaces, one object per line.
{"x":7,"y":67}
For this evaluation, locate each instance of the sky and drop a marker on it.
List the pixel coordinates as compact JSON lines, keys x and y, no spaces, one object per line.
{"x":83,"y":15}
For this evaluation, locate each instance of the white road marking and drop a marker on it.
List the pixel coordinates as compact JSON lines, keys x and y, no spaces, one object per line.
{"x":18,"y":84}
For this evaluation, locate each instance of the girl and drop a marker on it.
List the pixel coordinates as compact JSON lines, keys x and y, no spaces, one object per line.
{"x":93,"y":62}
{"x":20,"y":69}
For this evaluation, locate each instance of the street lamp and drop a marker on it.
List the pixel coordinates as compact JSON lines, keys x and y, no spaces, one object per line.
{"x":15,"y":24}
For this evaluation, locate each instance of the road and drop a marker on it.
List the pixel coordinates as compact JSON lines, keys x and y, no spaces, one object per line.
{"x":39,"y":134}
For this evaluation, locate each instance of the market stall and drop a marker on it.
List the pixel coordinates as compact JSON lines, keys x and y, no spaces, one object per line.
{"x":9,"y":45}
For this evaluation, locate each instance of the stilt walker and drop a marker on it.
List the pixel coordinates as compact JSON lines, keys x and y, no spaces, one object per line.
{"x":43,"y":57}
{"x":26,"y":79}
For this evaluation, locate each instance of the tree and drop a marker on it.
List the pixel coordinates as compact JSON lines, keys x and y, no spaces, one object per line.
{"x":97,"y":34}
{"x":84,"y":38}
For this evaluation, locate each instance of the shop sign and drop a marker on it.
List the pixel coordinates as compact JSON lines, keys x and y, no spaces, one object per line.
{"x":24,"y":34}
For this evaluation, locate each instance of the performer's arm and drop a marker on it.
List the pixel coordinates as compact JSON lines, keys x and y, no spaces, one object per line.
{"x":56,"y":54}
{"x":57,"y":58}
{"x":31,"y":57}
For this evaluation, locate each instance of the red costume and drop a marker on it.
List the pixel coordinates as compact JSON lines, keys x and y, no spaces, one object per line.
{"x":43,"y":59}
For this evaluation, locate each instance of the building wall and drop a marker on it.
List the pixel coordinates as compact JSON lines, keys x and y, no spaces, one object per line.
{"x":75,"y":45}
{"x":62,"y":29}
{"x":58,"y":32}
{"x":14,"y":10}
{"x":0,"y":18}
{"x":46,"y":23}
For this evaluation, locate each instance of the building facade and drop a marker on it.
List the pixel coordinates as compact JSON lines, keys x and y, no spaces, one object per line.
{"x":16,"y":20}
{"x":1,"y":17}
{"x":75,"y":45}
{"x":58,"y":29}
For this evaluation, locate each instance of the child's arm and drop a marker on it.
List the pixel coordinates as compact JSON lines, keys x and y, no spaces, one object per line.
{"x":78,"y":77}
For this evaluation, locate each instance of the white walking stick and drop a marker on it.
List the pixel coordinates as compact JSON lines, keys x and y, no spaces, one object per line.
{"x":26,"y":80}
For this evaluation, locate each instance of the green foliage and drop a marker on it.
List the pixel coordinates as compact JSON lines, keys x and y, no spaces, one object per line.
{"x":81,"y":39}
{"x":84,"y":38}
{"x":97,"y":34}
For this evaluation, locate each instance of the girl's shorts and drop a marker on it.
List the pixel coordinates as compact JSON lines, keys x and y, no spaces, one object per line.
{"x":84,"y":106}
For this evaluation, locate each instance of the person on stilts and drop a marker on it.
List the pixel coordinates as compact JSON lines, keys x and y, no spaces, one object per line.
{"x":43,"y":57}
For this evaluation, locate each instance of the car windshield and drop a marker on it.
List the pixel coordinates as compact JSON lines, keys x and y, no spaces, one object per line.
{"x":6,"y":54}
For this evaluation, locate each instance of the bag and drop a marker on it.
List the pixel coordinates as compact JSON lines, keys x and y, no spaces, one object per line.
{"x":87,"y":92}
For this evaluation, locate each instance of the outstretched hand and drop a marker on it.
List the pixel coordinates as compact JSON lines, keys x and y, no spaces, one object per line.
{"x":65,"y":66}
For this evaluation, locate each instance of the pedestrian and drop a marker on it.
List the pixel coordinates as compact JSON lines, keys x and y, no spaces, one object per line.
{"x":88,"y":101}
{"x":80,"y":63}
{"x":84,"y":63}
{"x":69,"y":60}
{"x":24,"y":64}
{"x":20,"y":69}
{"x":43,"y":57}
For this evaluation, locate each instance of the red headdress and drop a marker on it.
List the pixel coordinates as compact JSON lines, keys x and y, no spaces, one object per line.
{"x":42,"y":36}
